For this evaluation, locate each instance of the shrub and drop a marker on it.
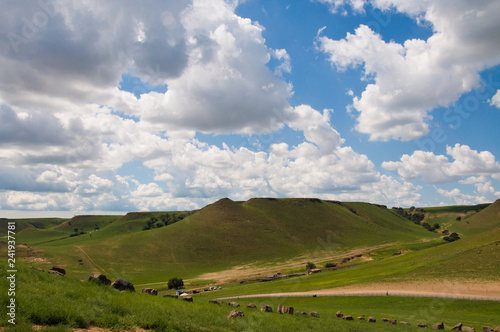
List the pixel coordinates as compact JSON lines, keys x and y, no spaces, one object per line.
{"x":175,"y":283}
{"x":310,"y":266}
{"x":453,"y":237}
{"x":327,"y":265}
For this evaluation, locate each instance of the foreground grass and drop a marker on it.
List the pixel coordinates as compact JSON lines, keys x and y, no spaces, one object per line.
{"x":62,"y":303}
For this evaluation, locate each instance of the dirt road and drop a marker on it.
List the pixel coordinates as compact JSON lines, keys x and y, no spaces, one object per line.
{"x":484,"y":291}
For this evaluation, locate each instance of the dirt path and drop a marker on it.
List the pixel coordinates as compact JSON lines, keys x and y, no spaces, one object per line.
{"x":90,"y":259}
{"x":254,"y":270}
{"x":452,"y":290}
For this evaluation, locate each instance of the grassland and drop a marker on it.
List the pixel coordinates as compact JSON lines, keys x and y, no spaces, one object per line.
{"x":228,"y":241}
{"x":65,"y":303}
{"x":259,"y":232}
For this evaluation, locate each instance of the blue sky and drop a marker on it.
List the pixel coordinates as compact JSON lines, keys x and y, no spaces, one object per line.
{"x":171,"y":106}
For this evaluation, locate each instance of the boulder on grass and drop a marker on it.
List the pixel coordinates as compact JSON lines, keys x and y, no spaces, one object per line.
{"x":234,"y":304}
{"x":497,"y":329}
{"x":438,"y":326}
{"x":58,"y":269}
{"x":187,"y":298}
{"x":339,"y":314}
{"x":251,"y":305}
{"x":422,"y":325}
{"x":150,"y":291}
{"x":57,"y":273}
{"x":372,"y":319}
{"x":123,"y":285}
{"x":313,"y":313}
{"x":469,"y":329}
{"x":284,"y":309}
{"x":404,"y":323}
{"x":348,"y":317}
{"x":266,"y":308}
{"x":392,"y":321}
{"x":101,"y":278}
{"x":361,"y":317}
{"x":235,"y":313}
{"x":457,"y":327}
{"x":488,"y":329}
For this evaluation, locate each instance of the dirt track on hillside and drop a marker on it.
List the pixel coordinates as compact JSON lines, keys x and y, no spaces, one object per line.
{"x":454,"y":290}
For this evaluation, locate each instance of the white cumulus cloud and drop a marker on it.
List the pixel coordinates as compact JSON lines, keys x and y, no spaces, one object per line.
{"x":413,"y":78}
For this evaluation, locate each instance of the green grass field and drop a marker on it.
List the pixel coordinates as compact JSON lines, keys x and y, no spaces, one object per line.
{"x":218,"y":237}
{"x":268,"y":235}
{"x":65,"y":302}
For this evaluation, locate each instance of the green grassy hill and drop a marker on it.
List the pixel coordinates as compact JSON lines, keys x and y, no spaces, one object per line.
{"x":220,"y":236}
{"x":475,"y":258}
{"x":52,"y":303}
{"x":34,"y":223}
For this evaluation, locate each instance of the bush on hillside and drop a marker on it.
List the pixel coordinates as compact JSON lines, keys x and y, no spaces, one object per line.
{"x":327,"y":265}
{"x":310,"y":266}
{"x":176,"y":283}
{"x":453,"y":237}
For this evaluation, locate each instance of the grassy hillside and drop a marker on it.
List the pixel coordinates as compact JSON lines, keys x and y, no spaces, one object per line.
{"x":66,"y":303}
{"x":475,"y":258}
{"x":220,"y":236}
{"x":34,"y":223}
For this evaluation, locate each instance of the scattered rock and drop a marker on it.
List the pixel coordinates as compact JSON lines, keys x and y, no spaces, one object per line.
{"x":57,"y":273}
{"x":438,"y":326}
{"x":392,"y":321}
{"x":457,"y":327}
{"x":251,"y":305}
{"x":348,"y":317}
{"x":58,"y":269}
{"x":122,"y":285}
{"x":361,"y":317}
{"x":234,"y":304}
{"x":372,"y":319}
{"x":469,"y":329}
{"x":235,"y":313}
{"x":284,"y":309}
{"x":100,"y":278}
{"x":488,"y":329}
{"x":385,"y":320}
{"x":266,"y":308}
{"x":187,"y":298}
{"x":422,"y":325}
{"x":497,"y":329}
{"x":404,"y":323}
{"x":175,"y":296}
{"x":150,"y":291}
{"x":313,"y":313}
{"x":339,"y":314}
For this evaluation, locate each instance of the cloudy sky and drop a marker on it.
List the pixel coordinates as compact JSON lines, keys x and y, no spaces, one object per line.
{"x":171,"y":105}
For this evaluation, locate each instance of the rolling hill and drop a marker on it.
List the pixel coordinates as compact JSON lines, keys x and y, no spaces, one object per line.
{"x":220,"y":236}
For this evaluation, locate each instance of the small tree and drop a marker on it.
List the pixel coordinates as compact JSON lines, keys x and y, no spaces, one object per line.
{"x":175,"y":283}
{"x":310,"y":266}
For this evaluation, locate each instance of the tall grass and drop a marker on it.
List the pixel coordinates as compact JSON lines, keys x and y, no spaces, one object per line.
{"x":62,"y":303}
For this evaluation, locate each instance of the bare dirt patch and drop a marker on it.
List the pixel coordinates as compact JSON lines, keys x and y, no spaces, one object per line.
{"x":472,"y":288}
{"x":255,"y":270}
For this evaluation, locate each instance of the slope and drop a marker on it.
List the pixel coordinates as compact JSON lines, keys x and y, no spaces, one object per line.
{"x":228,"y":234}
